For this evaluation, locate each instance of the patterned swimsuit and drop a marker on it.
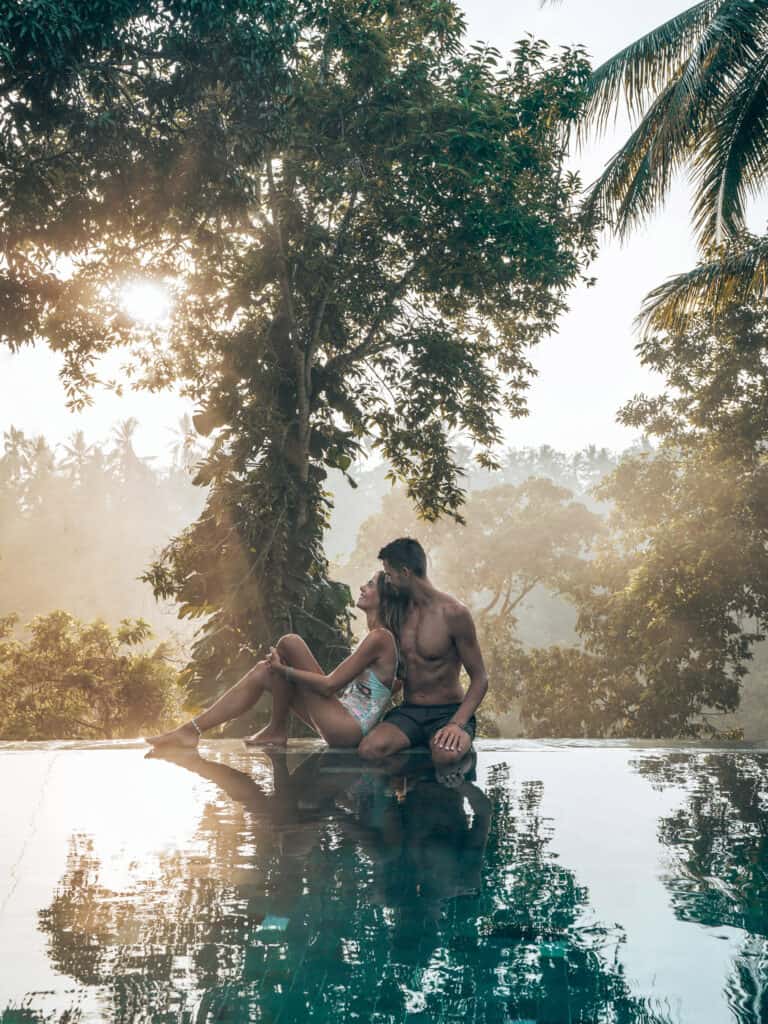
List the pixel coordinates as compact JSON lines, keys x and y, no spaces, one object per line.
{"x":367,"y":697}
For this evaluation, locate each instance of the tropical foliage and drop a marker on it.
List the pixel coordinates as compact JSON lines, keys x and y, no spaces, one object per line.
{"x":364,"y":222}
{"x":678,"y":590}
{"x":74,"y":680}
{"x":698,"y":87}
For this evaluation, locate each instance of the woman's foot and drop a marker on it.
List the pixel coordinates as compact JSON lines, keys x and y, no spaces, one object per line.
{"x":176,"y":755}
{"x":186,"y":737}
{"x":267,"y":737}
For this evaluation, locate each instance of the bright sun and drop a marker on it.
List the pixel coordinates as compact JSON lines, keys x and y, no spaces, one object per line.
{"x":146,"y":301}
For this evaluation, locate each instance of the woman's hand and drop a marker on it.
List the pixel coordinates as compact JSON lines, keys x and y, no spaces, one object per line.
{"x":274,"y":660}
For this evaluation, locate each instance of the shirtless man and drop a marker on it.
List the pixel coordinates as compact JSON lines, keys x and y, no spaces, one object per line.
{"x":436,"y":639}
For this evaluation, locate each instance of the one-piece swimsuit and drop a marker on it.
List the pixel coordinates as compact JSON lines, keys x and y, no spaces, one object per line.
{"x":367,"y":697}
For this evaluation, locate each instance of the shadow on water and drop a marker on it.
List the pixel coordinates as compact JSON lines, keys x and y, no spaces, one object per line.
{"x":717,"y":872}
{"x":341,"y":891}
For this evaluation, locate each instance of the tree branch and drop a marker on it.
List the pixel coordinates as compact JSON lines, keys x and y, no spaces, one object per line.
{"x":368,"y":345}
{"x":285,"y":285}
{"x":318,"y":320}
{"x":523,"y":593}
{"x":485,"y":611}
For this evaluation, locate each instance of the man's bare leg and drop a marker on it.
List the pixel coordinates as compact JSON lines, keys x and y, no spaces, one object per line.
{"x":383,"y":741}
{"x":238,"y":698}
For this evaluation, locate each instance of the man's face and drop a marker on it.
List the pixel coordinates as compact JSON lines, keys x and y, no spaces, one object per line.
{"x":399,"y":579}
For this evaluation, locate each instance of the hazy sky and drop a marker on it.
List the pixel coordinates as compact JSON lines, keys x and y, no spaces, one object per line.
{"x":585,"y":372}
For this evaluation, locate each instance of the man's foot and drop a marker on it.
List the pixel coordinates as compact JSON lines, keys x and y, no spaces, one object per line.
{"x":186,"y":737}
{"x":267,"y":737}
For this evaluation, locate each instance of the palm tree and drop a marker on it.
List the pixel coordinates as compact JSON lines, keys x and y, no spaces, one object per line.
{"x":128,"y":464}
{"x":699,"y":86}
{"x":186,"y":449}
{"x":15,"y":454}
{"x":78,"y":452}
{"x":40,"y":469}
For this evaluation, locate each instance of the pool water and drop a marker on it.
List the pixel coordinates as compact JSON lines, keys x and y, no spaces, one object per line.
{"x":558,"y":882}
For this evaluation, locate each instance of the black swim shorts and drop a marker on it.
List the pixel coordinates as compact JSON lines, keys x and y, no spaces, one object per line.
{"x":420,"y":722}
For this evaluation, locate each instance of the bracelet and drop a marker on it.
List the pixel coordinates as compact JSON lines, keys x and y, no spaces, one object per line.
{"x":197,"y":728}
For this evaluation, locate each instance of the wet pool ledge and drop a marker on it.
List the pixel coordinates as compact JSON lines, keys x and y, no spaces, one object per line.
{"x":551,"y":881}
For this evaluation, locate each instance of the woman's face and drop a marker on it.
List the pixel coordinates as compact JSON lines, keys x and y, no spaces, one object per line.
{"x":368,"y":598}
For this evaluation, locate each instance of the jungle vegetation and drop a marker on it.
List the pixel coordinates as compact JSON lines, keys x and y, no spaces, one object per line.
{"x":366,"y":222}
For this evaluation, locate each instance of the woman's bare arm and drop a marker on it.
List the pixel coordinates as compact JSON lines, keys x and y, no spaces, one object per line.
{"x":365,"y":654}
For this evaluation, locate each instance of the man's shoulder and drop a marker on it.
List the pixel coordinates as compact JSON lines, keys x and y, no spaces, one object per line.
{"x":454,"y":611}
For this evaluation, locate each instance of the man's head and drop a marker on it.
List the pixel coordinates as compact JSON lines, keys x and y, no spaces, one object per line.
{"x":404,"y":560}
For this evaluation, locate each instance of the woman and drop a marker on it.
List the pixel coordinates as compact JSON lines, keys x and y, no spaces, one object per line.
{"x":341,"y":707}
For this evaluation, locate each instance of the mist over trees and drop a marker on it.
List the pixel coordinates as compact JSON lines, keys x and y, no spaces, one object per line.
{"x":338,"y":195}
{"x":364,"y":223}
{"x":80,"y":523}
{"x":545,"y":535}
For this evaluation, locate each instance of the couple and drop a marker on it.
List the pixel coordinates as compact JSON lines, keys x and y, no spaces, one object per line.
{"x":411,"y":625}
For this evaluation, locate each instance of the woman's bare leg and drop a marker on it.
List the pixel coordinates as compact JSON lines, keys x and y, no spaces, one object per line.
{"x":295,"y":652}
{"x":326,"y":715}
{"x":238,"y":698}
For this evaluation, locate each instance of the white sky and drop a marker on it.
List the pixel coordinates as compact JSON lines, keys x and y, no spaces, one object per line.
{"x":585,"y":372}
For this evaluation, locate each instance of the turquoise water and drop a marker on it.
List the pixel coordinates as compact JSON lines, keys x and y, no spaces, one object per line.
{"x":561,"y":882}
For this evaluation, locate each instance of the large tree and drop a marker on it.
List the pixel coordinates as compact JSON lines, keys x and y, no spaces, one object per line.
{"x":677,"y":594}
{"x":364,"y":222}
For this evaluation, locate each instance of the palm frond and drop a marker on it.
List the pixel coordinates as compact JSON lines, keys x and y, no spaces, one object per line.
{"x":739,"y":276}
{"x":643,"y":69}
{"x":680,"y":120}
{"x":733,"y":159}
{"x":726,"y":43}
{"x":636,"y":178}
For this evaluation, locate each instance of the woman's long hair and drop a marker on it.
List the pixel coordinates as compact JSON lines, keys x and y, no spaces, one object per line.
{"x":392,"y":606}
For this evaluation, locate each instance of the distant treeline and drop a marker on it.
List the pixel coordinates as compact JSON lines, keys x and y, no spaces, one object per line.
{"x":543,"y":535}
{"x":80,"y":522}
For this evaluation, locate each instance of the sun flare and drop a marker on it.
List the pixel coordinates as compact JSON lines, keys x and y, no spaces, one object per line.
{"x":146,"y":301}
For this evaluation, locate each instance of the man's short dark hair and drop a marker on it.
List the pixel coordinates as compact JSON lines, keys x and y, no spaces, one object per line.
{"x":405,"y":553}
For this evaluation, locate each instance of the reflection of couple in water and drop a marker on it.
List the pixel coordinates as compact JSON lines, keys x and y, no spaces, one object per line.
{"x":416,"y":635}
{"x":425,"y":839}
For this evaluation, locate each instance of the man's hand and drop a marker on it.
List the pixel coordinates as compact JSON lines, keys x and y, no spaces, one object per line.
{"x":449,"y":737}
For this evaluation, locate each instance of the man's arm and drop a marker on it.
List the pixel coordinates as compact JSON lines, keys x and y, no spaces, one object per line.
{"x":464,"y":635}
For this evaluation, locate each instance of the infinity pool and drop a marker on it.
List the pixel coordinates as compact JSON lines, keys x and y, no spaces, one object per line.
{"x":559,"y":882}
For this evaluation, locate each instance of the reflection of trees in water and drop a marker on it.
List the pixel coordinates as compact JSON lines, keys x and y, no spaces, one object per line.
{"x":26,"y":1015}
{"x":331,"y":898}
{"x":718,"y":866}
